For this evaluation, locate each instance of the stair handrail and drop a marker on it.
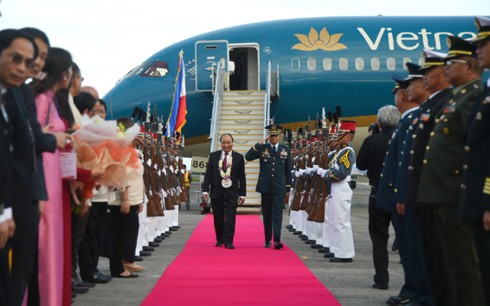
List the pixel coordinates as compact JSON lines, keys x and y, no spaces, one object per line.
{"x":267,"y":97}
{"x":218,"y":89}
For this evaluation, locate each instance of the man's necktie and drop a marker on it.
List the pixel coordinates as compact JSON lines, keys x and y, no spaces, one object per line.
{"x":274,"y":149}
{"x":225,"y":161}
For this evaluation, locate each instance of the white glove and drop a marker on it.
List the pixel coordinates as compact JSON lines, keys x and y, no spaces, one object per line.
{"x":297,"y":173}
{"x":319,"y":171}
{"x":301,"y":171}
{"x":315,"y":167}
{"x":308,"y":171}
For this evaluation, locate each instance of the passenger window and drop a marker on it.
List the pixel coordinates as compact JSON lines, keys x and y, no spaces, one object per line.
{"x":375,"y":64}
{"x":359,"y":64}
{"x":405,"y":61}
{"x":343,"y":64}
{"x":327,"y":64}
{"x":391,"y":63}
{"x":311,"y":64}
{"x":157,"y":69}
{"x":295,"y":64}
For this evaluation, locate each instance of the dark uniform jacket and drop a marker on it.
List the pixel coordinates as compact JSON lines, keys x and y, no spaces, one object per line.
{"x":212,"y":178}
{"x":441,"y":175}
{"x":372,"y":154}
{"x":275,"y":169}
{"x":475,"y":197}
{"x":387,"y":183}
{"x":424,"y":125}
{"x":401,"y":180}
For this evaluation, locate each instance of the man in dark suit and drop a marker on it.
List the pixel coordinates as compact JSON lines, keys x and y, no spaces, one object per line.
{"x":474,"y":206}
{"x":274,"y":181}
{"x":370,"y":157}
{"x":225,"y":183}
{"x":441,"y":174}
{"x":17,"y":53}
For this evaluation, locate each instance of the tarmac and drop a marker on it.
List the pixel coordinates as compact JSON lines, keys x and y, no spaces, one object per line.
{"x":350,"y":283}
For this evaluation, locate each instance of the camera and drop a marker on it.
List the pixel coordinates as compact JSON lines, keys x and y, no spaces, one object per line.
{"x":373,"y":128}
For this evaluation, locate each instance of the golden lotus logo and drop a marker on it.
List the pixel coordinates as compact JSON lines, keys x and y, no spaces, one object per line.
{"x":324,"y":41}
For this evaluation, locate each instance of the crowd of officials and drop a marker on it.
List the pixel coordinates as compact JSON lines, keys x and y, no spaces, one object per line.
{"x":53,"y":228}
{"x":428,"y":167}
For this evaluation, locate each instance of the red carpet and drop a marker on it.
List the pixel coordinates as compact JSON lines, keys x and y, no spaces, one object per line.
{"x":248,"y":275}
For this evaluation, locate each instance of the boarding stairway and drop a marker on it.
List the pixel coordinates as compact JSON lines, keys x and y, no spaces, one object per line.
{"x":242,"y":115}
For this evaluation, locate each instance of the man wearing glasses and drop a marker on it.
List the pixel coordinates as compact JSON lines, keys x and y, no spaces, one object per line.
{"x":475,"y":190}
{"x":442,"y":170}
{"x":274,"y":181}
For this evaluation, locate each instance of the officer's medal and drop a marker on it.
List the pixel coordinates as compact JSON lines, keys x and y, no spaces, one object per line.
{"x":225,"y":173}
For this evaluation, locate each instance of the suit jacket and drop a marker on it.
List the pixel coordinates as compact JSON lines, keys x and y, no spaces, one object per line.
{"x":212,"y":178}
{"x":23,"y":163}
{"x":441,"y":177}
{"x":275,"y":169}
{"x":387,"y":188}
{"x":475,"y":195}
{"x":6,"y":160}
{"x":44,"y":142}
{"x":424,"y":125}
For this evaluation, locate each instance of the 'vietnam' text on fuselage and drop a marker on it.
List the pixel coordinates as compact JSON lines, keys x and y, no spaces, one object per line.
{"x":404,"y":38}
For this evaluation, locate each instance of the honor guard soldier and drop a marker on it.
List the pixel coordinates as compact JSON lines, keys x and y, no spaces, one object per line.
{"x":274,"y":181}
{"x":475,"y":190}
{"x":339,"y":202}
{"x":441,"y":175}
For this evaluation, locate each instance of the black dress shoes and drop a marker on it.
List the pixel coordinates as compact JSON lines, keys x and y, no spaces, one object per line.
{"x":148,"y":248}
{"x":153,"y":244}
{"x":335,"y":259}
{"x":380,"y":286}
{"x":229,"y":246}
{"x":138,"y":258}
{"x":96,"y":278}
{"x":398,"y":300}
{"x":394,"y":246}
{"x":324,"y":250}
{"x":328,"y":255}
{"x":218,"y":244}
{"x":297,"y":233}
{"x":289,"y":226}
{"x":278,"y":246}
{"x":145,"y":253}
{"x":267,"y":245}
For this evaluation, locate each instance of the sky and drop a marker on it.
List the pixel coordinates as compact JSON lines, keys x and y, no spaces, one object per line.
{"x":107,"y":38}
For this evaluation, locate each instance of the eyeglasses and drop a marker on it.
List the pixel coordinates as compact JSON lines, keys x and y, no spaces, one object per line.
{"x":450,"y":62}
{"x":18,"y":59}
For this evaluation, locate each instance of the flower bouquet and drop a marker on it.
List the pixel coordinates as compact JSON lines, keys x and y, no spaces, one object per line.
{"x":103,"y":147}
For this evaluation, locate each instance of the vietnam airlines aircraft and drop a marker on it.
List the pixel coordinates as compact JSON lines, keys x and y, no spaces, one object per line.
{"x":316,"y":63}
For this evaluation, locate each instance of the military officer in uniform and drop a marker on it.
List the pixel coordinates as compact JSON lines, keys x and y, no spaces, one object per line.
{"x":392,"y":186}
{"x":274,"y":181}
{"x":475,"y":190}
{"x":435,"y":83}
{"x":339,"y":202}
{"x":441,"y":174}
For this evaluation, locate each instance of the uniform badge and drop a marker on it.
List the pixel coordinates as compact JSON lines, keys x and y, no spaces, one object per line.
{"x":425,"y":117}
{"x":487,"y":100}
{"x":414,"y":122}
{"x":445,"y":130}
{"x":421,"y":126}
{"x":450,"y":109}
{"x":283,"y":153}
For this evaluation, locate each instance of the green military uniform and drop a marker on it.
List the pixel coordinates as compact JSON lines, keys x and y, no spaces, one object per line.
{"x":441,"y":177}
{"x":475,"y":190}
{"x":442,"y":170}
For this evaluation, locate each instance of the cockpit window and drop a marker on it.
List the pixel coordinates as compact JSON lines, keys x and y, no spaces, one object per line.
{"x":157,"y":69}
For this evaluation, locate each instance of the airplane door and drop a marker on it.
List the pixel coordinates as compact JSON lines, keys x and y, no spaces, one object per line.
{"x":208,"y":54}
